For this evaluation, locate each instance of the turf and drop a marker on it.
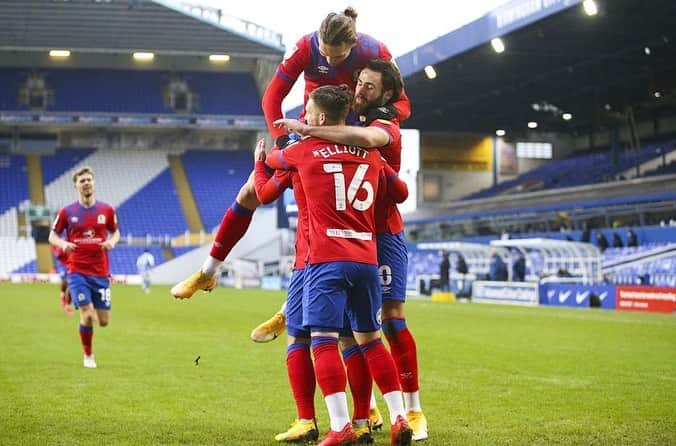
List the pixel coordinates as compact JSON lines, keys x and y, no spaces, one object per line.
{"x":490,"y":375}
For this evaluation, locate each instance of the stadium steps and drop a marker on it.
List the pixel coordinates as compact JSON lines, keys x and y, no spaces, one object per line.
{"x":45,"y":260}
{"x":35,"y":184}
{"x":119,"y":174}
{"x":16,"y":252}
{"x":185,"y":195}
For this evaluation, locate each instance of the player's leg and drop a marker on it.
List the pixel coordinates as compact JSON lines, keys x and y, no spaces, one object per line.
{"x":272,"y":328}
{"x":232,"y":228}
{"x":360,"y":381}
{"x":299,"y":367}
{"x":323,"y":310}
{"x":364,"y":303}
{"x":393,"y":261}
{"x":82,"y":299}
{"x":66,"y":301}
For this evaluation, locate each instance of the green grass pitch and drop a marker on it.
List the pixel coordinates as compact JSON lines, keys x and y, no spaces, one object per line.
{"x":490,"y":375}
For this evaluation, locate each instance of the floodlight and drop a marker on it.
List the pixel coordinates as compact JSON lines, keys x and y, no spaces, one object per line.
{"x":567,"y":116}
{"x":219,"y":58}
{"x":500,"y":132}
{"x":145,"y":57}
{"x":532,"y":125}
{"x":590,"y":7}
{"x":498,"y":45}
{"x":59,"y":53}
{"x":430,"y":72}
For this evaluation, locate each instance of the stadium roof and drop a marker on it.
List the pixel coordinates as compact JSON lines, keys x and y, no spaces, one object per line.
{"x":101,"y":26}
{"x":557,"y":60}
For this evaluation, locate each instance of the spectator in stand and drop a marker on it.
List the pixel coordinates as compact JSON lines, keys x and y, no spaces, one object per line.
{"x":617,"y":241}
{"x":601,"y":241}
{"x":632,"y":239}
{"x":519,"y":268}
{"x":461,"y":267}
{"x":586,"y":235}
{"x":444,"y":270}
{"x":498,"y":269}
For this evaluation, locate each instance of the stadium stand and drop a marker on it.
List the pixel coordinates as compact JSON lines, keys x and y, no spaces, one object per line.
{"x":215,"y":178}
{"x":16,"y":252}
{"x":123,"y":258}
{"x":13,"y":181}
{"x":153,"y":210}
{"x":127,"y":91}
{"x":62,"y":162}
{"x":119,"y":175}
{"x":590,"y":168}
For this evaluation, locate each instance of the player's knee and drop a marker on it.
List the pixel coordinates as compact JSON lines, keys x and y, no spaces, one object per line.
{"x":247,"y":196}
{"x":103,"y":323}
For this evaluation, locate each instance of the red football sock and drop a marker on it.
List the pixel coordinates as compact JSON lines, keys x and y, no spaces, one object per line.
{"x":86,"y":335}
{"x":302,"y":379}
{"x":329,"y":368}
{"x":382,"y":366}
{"x":360,"y":380}
{"x":404,"y":352}
{"x":233,"y":226}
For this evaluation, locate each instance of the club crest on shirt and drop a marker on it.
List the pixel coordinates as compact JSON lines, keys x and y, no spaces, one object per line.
{"x":74,"y":219}
{"x":101,"y":219}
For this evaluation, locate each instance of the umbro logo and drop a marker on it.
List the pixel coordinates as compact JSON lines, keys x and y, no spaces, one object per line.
{"x":323,"y":69}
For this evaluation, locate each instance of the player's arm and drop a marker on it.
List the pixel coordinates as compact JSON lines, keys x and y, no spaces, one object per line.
{"x":111,"y":226}
{"x":58,"y":227}
{"x":366,"y":137}
{"x":286,"y":159}
{"x":396,"y":187}
{"x":112,"y":240}
{"x":286,"y":75}
{"x":269,"y":184}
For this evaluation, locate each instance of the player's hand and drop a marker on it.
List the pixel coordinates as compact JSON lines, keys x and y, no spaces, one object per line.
{"x":107,"y":245}
{"x":259,"y":153}
{"x":68,"y":247}
{"x":386,"y":112}
{"x":292,"y":125}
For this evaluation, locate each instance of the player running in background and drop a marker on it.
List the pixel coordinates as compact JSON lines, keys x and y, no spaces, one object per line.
{"x":61,"y":266}
{"x":330,"y":56}
{"x":87,"y":223}
{"x":378,"y":83}
{"x":144,"y":263}
{"x":342,"y":271}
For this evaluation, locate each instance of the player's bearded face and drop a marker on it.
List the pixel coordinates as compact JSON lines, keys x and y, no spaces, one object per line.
{"x":85,"y":185}
{"x":368,"y":92}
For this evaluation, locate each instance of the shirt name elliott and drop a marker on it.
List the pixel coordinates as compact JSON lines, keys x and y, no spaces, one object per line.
{"x":329,"y":151}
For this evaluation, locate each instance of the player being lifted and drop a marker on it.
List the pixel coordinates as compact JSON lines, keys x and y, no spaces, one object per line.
{"x":87,"y":223}
{"x":330,"y":56}
{"x":342,"y":273}
{"x":378,"y":83}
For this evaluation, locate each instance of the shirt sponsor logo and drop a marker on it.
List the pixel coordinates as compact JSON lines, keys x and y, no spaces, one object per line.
{"x":348,"y":233}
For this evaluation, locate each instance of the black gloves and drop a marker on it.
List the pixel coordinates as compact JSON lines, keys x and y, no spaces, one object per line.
{"x":386,"y":112}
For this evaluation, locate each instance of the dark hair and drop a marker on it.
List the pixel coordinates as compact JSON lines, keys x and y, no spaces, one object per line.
{"x":390,"y":75}
{"x":339,"y":28}
{"x":334,"y":101}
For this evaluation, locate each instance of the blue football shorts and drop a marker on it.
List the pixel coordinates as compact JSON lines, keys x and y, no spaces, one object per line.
{"x":86,"y":290}
{"x":392,"y":265}
{"x":333,"y":288}
{"x":294,"y":305}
